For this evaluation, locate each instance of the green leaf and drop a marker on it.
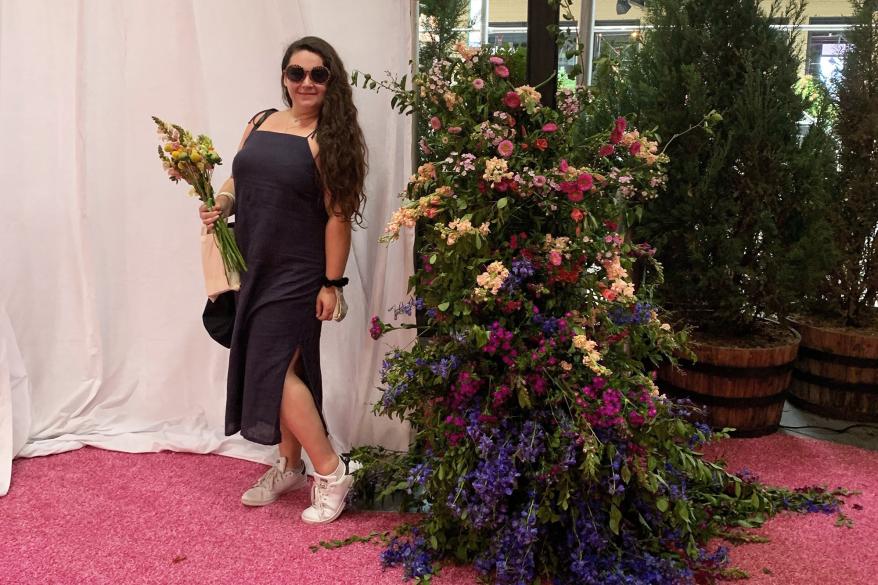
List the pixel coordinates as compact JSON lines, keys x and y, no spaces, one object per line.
{"x":662,"y":504}
{"x":433,"y":259}
{"x":681,"y":509}
{"x":444,"y":306}
{"x":615,"y":518}
{"x":502,"y":203}
{"x":625,"y":473}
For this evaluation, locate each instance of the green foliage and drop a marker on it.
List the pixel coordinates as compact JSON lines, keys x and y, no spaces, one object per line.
{"x":441,"y":21}
{"x":850,"y":290}
{"x":736,"y":230}
{"x":542,"y":447}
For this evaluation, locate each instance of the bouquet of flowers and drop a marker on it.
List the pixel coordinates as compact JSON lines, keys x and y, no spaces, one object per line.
{"x":192,"y":159}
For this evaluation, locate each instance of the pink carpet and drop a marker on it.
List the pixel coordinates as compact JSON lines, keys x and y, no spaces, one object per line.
{"x":92,"y":516}
{"x":808,"y":549}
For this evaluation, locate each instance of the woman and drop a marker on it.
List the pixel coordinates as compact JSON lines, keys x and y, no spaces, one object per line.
{"x":297,"y":186}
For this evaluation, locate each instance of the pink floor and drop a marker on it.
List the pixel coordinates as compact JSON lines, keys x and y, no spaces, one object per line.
{"x":92,"y":516}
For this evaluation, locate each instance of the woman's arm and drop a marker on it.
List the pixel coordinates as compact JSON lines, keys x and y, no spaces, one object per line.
{"x":338,"y":246}
{"x":224,"y":205}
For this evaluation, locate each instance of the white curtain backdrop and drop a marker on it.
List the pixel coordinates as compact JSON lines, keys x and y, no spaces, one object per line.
{"x":101,"y":273}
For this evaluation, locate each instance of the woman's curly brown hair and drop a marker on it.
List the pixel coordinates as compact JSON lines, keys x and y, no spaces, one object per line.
{"x":342,"y":157}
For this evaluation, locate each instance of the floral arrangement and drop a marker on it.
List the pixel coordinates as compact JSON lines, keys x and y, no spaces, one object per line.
{"x":543,"y":449}
{"x":192,"y":159}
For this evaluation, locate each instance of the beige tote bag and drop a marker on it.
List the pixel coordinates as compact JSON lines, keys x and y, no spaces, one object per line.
{"x":216,"y":281}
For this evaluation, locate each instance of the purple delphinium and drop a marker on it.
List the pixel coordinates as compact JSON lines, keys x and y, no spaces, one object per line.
{"x":411,"y":553}
{"x":445,"y":366}
{"x":520,"y":270}
{"x":639,"y":314}
{"x":416,"y":304}
{"x":512,"y":558}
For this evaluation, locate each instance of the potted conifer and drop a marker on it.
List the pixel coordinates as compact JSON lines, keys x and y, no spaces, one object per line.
{"x":739,"y":231}
{"x":836,"y":373}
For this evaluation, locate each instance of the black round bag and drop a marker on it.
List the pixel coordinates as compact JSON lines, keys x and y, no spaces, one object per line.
{"x":219,"y":318}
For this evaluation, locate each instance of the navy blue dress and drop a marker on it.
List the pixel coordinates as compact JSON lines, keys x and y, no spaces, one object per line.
{"x":280,"y":222}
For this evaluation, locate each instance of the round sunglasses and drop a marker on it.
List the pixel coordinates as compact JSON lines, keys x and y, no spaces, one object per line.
{"x":296,"y":74}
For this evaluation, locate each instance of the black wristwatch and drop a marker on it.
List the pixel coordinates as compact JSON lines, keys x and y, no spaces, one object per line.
{"x":338,"y":282}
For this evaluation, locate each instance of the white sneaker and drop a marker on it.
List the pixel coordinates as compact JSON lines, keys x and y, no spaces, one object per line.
{"x":328,"y":495}
{"x":274,"y":482}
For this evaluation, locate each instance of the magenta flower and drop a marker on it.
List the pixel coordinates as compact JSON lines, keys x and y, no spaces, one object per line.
{"x":376,"y":330}
{"x":435,"y":123}
{"x":496,"y":60}
{"x":621,"y":124}
{"x":501,"y":71}
{"x":478,"y":83}
{"x":506,"y":148}
{"x":550,"y":127}
{"x":634,"y":148}
{"x":585,"y":182}
{"x":563,"y":166}
{"x":606,"y":150}
{"x":636,"y":419}
{"x":512,"y":100}
{"x":539,"y":181}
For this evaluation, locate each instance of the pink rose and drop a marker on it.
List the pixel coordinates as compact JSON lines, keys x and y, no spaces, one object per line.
{"x":563,"y":166}
{"x":455,"y":130}
{"x":539,"y":181}
{"x":512,"y":100}
{"x":606,"y":150}
{"x":555,"y":258}
{"x":425,"y":148}
{"x":496,"y":60}
{"x":501,"y":71}
{"x":505,"y":148}
{"x":549,"y":127}
{"x":478,"y":83}
{"x":435,"y":123}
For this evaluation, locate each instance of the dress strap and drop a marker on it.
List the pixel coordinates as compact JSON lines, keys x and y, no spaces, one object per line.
{"x":259,"y":117}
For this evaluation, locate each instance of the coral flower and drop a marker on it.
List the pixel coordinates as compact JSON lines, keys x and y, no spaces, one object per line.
{"x":506,"y":148}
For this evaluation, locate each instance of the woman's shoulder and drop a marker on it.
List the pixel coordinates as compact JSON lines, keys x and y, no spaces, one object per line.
{"x":260,"y":117}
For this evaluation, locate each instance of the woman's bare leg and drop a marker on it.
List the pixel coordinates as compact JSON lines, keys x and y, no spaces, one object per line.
{"x":299,"y":415}
{"x":289,"y":447}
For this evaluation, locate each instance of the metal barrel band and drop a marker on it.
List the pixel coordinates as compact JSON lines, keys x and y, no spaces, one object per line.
{"x":725,"y":401}
{"x":856,"y":387}
{"x":844,"y":360}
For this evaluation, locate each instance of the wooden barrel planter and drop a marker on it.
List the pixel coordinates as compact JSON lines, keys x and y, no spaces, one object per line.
{"x":836,"y":374}
{"x":742,"y":388}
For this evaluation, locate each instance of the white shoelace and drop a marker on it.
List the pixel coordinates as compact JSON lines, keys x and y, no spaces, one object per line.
{"x":270,"y":479}
{"x":319,"y":491}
